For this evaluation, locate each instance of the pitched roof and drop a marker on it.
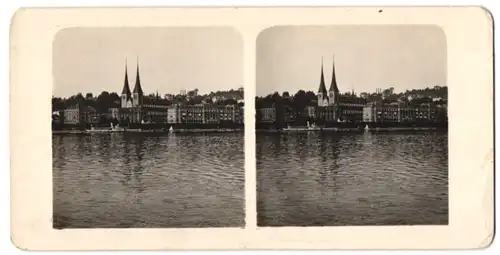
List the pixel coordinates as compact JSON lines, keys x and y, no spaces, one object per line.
{"x":137,"y":87}
{"x":322,"y":87}
{"x":333,"y":84}
{"x":126,"y":87}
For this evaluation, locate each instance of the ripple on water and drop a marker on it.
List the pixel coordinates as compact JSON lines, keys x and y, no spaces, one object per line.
{"x":146,"y":180}
{"x":352,"y":179}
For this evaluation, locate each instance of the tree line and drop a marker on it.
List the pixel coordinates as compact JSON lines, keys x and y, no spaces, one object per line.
{"x":105,"y":100}
{"x":102,"y":102}
{"x":301,"y":99}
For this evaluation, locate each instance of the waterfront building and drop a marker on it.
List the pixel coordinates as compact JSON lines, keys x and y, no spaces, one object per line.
{"x":425,"y":112}
{"x":204,"y":114}
{"x":333,"y":107}
{"x":389,"y":113}
{"x":227,"y":113}
{"x":369,"y":112}
{"x":173,"y":114}
{"x":136,"y":107}
{"x":267,"y":115}
{"x":126,"y":115}
{"x":240,"y":115}
{"x":191,"y":114}
{"x":210,"y":114}
{"x":405,"y":112}
{"x":392,"y":112}
{"x":401,"y":112}
{"x":326,"y":114}
{"x":155,"y":115}
{"x":217,"y":114}
{"x":350,"y":109}
{"x":81,"y":114}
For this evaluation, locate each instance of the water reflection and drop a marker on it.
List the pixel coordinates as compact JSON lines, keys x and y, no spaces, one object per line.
{"x":352,"y":179}
{"x":147,"y":180}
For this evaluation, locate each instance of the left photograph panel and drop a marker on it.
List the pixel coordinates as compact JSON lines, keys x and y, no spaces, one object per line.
{"x":147,"y":128}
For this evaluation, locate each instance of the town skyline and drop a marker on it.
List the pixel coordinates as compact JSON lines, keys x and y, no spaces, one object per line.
{"x":147,"y":93}
{"x":357,"y":93}
{"x":170,"y":59}
{"x":289,"y":58}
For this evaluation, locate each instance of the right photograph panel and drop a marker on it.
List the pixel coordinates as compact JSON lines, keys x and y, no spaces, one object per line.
{"x":352,"y":126}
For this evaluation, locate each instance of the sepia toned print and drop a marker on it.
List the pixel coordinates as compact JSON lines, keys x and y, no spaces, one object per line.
{"x":352,"y":126}
{"x":337,"y":188}
{"x":152,"y":140}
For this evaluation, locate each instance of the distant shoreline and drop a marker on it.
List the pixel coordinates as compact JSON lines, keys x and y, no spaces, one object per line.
{"x":333,"y":129}
{"x":86,"y":132}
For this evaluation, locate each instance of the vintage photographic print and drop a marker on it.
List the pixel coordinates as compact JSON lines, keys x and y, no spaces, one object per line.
{"x":366,"y":128}
{"x":352,"y":126}
{"x":147,"y":128}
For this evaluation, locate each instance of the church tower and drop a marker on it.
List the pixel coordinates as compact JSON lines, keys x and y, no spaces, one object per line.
{"x":322,"y":93}
{"x":126,"y":95}
{"x":333,"y":92}
{"x":137,"y":94}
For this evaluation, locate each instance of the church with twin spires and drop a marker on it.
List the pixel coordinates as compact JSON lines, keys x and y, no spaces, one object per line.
{"x":135,"y":98}
{"x":135,"y":107}
{"x":334,"y":107}
{"x":332,"y":96}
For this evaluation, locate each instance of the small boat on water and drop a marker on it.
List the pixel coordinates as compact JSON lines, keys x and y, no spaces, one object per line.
{"x":301,"y":129}
{"x":113,"y":128}
{"x":309,"y":127}
{"x":171,"y":130}
{"x":367,"y":128}
{"x":98,"y":130}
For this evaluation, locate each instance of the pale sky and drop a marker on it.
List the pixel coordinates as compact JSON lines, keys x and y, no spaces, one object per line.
{"x":170,"y":59}
{"x":366,"y":57}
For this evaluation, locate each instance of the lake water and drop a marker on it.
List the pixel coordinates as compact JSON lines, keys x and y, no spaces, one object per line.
{"x":341,"y":179}
{"x":148,"y":180}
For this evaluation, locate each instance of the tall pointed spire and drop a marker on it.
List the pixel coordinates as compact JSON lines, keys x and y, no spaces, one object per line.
{"x":137,"y":87}
{"x":126,"y":87}
{"x":322,"y":87}
{"x":333,"y":85}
